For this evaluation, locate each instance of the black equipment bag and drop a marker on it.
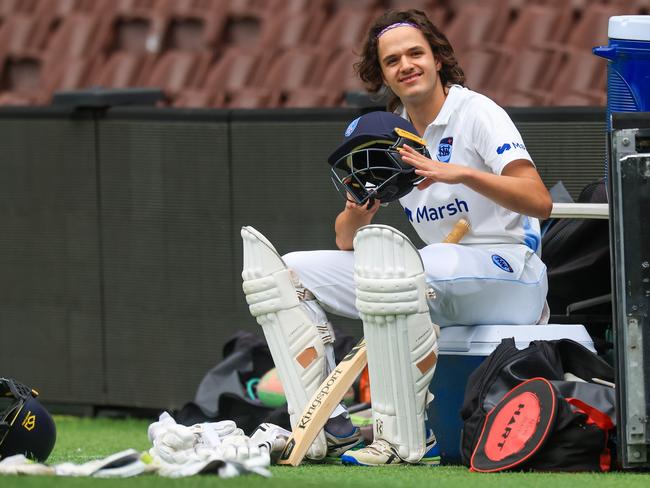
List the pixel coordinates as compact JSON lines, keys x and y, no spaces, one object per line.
{"x":549,"y":407}
{"x":576,"y":254}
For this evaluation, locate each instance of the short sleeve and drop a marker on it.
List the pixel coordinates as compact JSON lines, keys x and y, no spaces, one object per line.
{"x":496,"y":139}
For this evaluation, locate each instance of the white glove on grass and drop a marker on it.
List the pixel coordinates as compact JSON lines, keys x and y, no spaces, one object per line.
{"x":271,"y":438}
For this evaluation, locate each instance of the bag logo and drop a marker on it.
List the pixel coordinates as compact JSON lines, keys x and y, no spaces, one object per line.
{"x":444,"y":149}
{"x":29,"y":422}
{"x":501,"y":263}
{"x":513,"y":426}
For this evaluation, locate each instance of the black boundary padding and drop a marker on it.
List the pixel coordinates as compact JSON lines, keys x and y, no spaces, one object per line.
{"x":547,"y":397}
{"x":99,"y":97}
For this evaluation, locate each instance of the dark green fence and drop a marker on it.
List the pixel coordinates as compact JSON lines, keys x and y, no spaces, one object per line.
{"x":120,"y":250}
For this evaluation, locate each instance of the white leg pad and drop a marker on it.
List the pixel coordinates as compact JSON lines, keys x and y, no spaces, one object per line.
{"x":290,"y":330}
{"x":401,"y":339}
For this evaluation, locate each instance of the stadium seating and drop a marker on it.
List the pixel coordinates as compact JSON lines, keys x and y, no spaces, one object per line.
{"x":234,"y":70}
{"x":269,"y":53}
{"x":346,"y":28}
{"x":123,"y":70}
{"x":475,"y":24}
{"x":254,"y":98}
{"x":304,"y":28}
{"x":178,"y":70}
{"x":580,"y":80}
{"x":195,"y":29}
{"x":525,"y":81}
{"x":537,"y":25}
{"x":479,"y":66}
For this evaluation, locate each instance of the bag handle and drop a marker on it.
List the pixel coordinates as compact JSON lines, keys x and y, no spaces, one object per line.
{"x":594,"y":416}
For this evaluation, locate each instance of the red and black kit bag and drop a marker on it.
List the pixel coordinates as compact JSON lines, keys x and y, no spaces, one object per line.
{"x":560,"y":418}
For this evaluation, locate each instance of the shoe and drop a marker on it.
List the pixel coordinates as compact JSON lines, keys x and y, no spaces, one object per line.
{"x":432,"y":455}
{"x":341,"y":436}
{"x":337,"y":445}
{"x":382,"y":453}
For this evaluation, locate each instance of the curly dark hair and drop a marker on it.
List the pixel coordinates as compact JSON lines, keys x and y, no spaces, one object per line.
{"x":369,"y":67}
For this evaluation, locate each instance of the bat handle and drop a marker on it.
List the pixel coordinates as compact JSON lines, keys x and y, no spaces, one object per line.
{"x":458,"y":232}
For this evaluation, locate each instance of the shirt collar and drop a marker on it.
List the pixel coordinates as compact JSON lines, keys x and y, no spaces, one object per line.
{"x":449,"y":106}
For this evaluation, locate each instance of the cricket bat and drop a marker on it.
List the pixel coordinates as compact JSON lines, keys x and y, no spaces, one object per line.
{"x":331,"y":391}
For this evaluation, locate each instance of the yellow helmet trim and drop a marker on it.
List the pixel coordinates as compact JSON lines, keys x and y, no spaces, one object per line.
{"x":409,"y":135}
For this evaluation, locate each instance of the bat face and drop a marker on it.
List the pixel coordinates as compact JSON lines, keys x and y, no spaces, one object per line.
{"x":328,"y":386}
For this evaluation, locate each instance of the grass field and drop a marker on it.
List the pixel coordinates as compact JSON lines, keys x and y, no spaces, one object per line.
{"x":83,"y":439}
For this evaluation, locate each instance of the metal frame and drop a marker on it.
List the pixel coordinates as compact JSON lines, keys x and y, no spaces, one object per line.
{"x":631,"y":303}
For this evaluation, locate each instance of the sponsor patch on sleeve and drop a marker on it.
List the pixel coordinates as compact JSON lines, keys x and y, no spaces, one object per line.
{"x":507,"y":146}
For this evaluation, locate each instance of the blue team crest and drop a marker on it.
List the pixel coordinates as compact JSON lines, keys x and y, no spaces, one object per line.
{"x":351,"y":127}
{"x":444,"y":149}
{"x":501,"y":263}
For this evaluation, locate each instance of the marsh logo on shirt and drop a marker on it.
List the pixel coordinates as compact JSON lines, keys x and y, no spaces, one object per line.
{"x":431,"y":214}
{"x":501,"y":263}
{"x":444,"y":149}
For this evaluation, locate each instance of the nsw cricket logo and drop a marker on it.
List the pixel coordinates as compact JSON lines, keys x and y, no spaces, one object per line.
{"x":444,"y":149}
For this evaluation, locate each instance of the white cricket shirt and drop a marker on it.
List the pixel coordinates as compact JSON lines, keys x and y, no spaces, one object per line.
{"x":470,"y":130}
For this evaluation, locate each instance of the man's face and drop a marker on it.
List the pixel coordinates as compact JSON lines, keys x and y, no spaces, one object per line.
{"x":407,"y":63}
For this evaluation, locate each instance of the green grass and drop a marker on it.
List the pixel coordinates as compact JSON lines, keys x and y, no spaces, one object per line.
{"x":83,"y":439}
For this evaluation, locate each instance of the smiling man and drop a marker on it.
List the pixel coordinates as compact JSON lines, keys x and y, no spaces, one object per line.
{"x":480,"y":170}
{"x":469,"y":163}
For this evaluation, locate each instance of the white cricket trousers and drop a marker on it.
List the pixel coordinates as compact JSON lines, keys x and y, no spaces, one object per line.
{"x":474,"y":285}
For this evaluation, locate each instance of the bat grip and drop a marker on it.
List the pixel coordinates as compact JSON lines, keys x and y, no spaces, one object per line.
{"x":458,"y":232}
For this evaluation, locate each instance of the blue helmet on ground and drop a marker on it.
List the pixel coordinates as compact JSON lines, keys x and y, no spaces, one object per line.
{"x":367,"y":164}
{"x":26,"y":427}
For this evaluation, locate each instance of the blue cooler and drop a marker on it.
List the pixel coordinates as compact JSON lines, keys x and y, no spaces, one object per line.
{"x":462,"y":350}
{"x":628,"y":69}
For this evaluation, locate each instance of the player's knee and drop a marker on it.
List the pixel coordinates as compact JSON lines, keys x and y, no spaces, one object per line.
{"x":298,"y":261}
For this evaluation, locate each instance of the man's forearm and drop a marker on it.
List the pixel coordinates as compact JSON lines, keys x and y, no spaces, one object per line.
{"x":521,"y":191}
{"x":346,"y":226}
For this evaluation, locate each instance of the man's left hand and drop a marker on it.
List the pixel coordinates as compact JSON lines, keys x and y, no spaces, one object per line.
{"x":434,"y":171}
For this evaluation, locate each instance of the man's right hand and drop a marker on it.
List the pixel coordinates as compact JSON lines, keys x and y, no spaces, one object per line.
{"x":353,"y":217}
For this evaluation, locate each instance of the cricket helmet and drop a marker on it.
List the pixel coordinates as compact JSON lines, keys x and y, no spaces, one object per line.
{"x":367,"y":163}
{"x":26,"y":427}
